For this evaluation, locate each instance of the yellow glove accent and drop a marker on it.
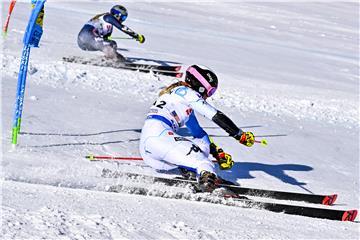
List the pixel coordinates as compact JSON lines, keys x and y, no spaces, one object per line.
{"x":140,"y":38}
{"x":225,"y":161}
{"x":247,"y":138}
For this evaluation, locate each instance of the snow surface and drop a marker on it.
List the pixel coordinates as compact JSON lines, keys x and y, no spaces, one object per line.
{"x":289,"y":72}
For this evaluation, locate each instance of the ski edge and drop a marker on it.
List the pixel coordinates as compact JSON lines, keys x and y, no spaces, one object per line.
{"x":244,"y":202}
{"x":155,"y":69}
{"x":273,"y":194}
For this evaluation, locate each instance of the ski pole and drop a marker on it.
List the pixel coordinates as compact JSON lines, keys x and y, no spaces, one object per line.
{"x":262,"y":142}
{"x":113,"y":158}
{"x":128,"y":38}
{"x":95,"y":158}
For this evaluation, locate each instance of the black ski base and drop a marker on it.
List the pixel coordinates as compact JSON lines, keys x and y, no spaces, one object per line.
{"x":234,"y":197}
{"x":280,"y":195}
{"x":154,"y":67}
{"x":331,"y":214}
{"x":310,"y":198}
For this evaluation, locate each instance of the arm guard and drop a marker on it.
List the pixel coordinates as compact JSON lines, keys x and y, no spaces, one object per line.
{"x":225,"y":123}
{"x":111,"y":19}
{"x":128,"y":31}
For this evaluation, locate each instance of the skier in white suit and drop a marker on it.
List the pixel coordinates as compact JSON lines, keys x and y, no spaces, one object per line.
{"x":163,"y":149}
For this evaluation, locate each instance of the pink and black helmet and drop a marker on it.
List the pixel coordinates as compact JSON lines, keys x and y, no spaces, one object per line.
{"x":202,"y":80}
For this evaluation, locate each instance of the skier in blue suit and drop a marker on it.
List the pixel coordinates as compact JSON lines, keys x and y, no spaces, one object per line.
{"x":95,"y":35}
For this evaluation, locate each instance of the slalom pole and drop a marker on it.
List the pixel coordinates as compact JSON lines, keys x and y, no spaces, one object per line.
{"x":11,"y":8}
{"x":20,"y":92}
{"x":31,"y":38}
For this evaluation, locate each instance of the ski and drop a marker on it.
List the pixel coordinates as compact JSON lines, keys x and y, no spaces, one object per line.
{"x":171,"y":71}
{"x":280,"y":195}
{"x":233,"y":200}
{"x":154,"y":67}
{"x":325,"y":213}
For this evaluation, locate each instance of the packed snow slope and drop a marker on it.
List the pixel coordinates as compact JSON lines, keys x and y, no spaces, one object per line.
{"x":287,"y":72}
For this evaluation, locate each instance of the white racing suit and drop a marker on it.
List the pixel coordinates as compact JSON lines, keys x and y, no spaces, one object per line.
{"x":160,"y":145}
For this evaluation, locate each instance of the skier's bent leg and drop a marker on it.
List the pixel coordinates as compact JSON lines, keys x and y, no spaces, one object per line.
{"x":176,"y":153}
{"x":158,"y":164}
{"x":110,"y":51}
{"x":183,"y":155}
{"x":86,"y":40}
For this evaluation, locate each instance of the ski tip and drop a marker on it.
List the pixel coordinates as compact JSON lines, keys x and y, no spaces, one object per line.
{"x":329,"y":200}
{"x":349,"y":215}
{"x":177,"y":68}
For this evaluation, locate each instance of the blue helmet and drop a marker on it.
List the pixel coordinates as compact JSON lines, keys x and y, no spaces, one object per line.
{"x":119,"y":12}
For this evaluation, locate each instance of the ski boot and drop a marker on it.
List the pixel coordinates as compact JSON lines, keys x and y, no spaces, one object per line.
{"x":112,"y":54}
{"x":207,"y":181}
{"x":188,"y":175}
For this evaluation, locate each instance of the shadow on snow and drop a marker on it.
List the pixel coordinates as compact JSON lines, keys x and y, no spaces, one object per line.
{"x":243,"y":170}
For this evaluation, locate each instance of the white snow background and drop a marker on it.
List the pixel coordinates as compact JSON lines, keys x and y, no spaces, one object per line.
{"x":287,"y":71}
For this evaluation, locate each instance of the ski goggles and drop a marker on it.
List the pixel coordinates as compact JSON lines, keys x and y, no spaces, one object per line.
{"x":123,"y":18}
{"x":210,"y":90}
{"x":120,"y":17}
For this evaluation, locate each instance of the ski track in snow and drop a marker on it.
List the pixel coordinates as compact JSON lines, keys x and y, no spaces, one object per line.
{"x":284,"y":101}
{"x":66,"y":216}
